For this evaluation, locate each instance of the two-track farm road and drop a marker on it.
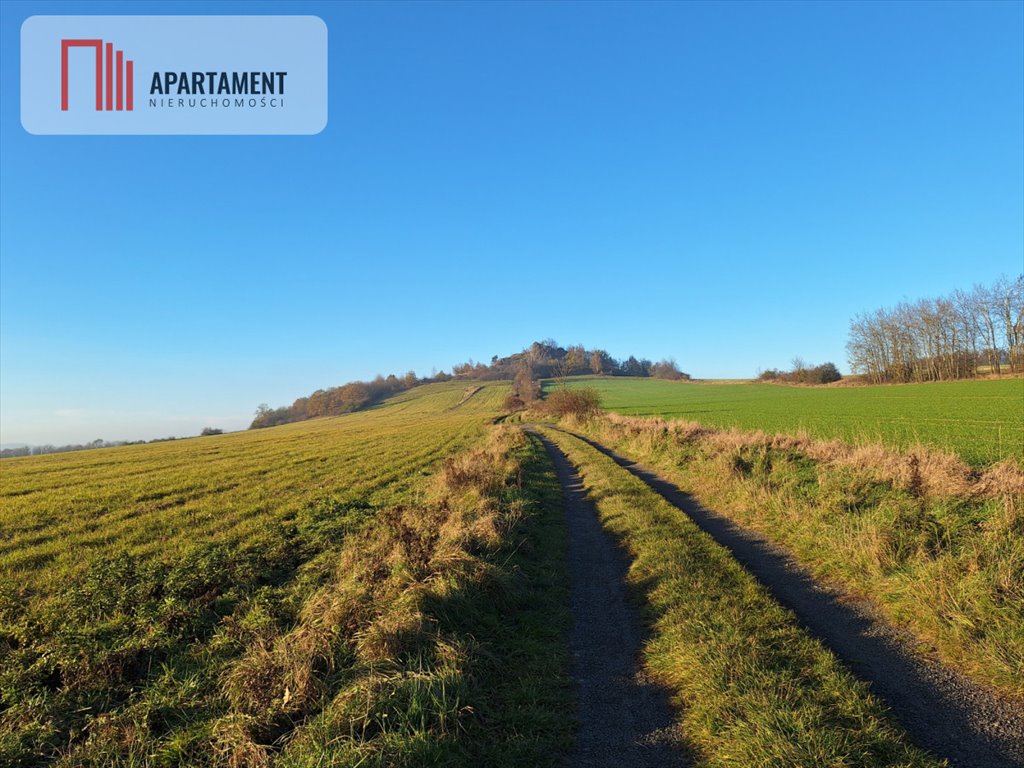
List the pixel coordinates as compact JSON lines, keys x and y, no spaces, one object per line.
{"x":941,"y":710}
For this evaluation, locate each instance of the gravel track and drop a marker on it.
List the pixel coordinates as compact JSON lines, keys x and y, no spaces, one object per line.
{"x":624,"y":718}
{"x":941,"y":710}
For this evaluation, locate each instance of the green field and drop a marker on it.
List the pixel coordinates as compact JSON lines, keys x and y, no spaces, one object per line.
{"x":983,"y":421}
{"x":56,"y":511}
{"x":342,"y":586}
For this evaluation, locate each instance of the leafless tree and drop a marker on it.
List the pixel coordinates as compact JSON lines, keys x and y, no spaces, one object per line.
{"x":944,"y":338}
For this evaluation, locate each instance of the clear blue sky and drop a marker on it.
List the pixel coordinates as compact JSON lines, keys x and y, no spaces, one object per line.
{"x":723,"y":183}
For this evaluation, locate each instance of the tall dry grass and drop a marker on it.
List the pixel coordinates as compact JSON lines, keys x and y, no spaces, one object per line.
{"x":925,"y":469}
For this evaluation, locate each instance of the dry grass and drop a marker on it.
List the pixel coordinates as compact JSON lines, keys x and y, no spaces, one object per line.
{"x":927,"y":470}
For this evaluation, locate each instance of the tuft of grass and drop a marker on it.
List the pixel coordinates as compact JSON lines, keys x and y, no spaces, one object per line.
{"x":752,"y":688}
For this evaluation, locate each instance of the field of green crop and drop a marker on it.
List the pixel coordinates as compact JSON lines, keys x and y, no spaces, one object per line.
{"x":983,"y":421}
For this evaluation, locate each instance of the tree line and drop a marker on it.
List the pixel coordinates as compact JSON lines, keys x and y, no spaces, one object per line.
{"x":334,"y":401}
{"x":950,"y":337}
{"x":547,"y":360}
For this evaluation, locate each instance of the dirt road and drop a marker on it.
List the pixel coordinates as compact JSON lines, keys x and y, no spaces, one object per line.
{"x":624,"y":719}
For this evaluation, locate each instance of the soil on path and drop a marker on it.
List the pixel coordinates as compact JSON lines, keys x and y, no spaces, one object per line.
{"x":624,"y":719}
{"x":941,"y":710}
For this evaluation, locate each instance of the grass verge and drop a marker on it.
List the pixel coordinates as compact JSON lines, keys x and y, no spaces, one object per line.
{"x":937,"y":547}
{"x":752,"y":688}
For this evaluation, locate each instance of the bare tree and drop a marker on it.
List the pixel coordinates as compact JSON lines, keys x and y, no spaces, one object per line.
{"x":984,"y":304}
{"x":1008,"y":302}
{"x":944,"y":338}
{"x":570,"y":363}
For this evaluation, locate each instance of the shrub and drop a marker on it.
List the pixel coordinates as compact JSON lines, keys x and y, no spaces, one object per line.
{"x":667,"y":369}
{"x":514,"y":403}
{"x":584,"y":401}
{"x":827,"y":373}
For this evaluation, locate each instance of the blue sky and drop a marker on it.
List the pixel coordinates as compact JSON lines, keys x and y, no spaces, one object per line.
{"x":727,"y":184}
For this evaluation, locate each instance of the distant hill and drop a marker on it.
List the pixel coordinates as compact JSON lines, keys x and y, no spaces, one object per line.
{"x":540,"y":360}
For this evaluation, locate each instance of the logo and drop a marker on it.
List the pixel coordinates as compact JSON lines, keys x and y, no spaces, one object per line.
{"x":123,"y":73}
{"x":173,"y":75}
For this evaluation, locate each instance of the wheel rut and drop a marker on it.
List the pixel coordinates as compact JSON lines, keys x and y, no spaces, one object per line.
{"x":941,"y":710}
{"x":624,"y":718}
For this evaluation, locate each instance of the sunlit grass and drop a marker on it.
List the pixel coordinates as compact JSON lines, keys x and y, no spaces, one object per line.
{"x":353,"y":590}
{"x":983,"y":421}
{"x":937,"y":555}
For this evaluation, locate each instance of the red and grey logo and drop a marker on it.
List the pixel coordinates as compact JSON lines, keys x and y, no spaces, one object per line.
{"x":114,"y":80}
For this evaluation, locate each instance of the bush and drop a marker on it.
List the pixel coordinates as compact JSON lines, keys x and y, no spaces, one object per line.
{"x":514,"y":403}
{"x":584,"y":401}
{"x":211,"y":431}
{"x":667,"y":369}
{"x":827,"y":373}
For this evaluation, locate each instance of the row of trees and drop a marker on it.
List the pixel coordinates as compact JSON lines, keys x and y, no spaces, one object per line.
{"x":334,"y":401}
{"x":801,"y":373}
{"x":945,"y":338}
{"x":546,"y":359}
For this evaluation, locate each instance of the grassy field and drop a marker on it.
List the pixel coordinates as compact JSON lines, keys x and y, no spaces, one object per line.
{"x":352,"y":589}
{"x":58,"y":510}
{"x":983,"y":421}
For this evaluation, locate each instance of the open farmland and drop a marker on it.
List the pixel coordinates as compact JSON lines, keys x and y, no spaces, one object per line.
{"x":59,"y":511}
{"x":983,"y":421}
{"x":396,"y":587}
{"x":354,"y":586}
